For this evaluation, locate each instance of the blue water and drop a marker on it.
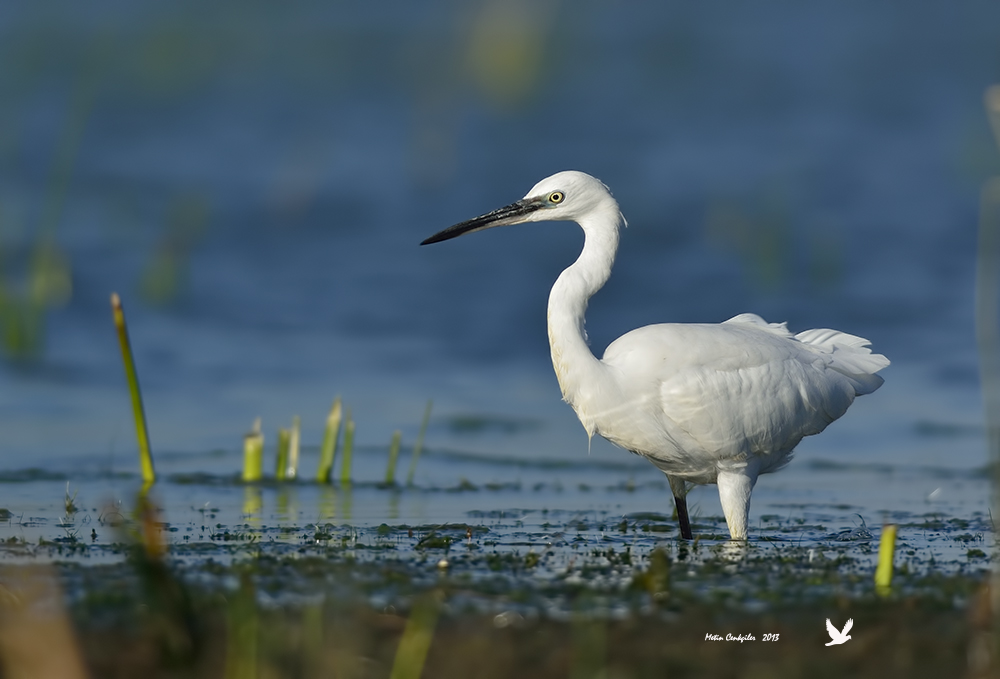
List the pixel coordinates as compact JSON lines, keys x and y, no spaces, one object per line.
{"x":816,"y":165}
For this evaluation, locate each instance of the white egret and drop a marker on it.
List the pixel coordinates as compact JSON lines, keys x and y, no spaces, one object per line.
{"x":706,"y":403}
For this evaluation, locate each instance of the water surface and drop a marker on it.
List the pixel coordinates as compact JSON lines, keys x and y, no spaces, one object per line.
{"x":256,"y":191}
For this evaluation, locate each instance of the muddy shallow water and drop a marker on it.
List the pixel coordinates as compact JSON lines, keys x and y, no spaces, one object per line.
{"x":540,"y":568}
{"x":553,"y":509}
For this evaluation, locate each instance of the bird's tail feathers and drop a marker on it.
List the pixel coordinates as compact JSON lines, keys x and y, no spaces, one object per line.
{"x":849,"y":355}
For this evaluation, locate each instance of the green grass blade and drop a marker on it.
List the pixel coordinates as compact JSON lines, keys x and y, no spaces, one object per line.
{"x":419,"y":445}
{"x":292,"y":469}
{"x":886,"y":553}
{"x":281,"y":464}
{"x":390,"y":470}
{"x":411,"y":654}
{"x":242,"y":621}
{"x":328,"y":451}
{"x":345,"y":467}
{"x":138,"y":413}
{"x":253,"y":454}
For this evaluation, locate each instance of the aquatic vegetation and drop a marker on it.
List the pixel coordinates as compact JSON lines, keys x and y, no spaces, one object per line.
{"x":165,"y":275}
{"x":294,"y":436}
{"x":138,"y":413}
{"x":411,"y":654}
{"x":242,"y":631}
{"x":289,"y":445}
{"x":253,"y":454}
{"x":169,"y":609}
{"x":281,"y":458}
{"x":69,"y":503}
{"x":345,"y":465}
{"x":418,"y":446}
{"x":328,"y":450}
{"x":886,"y":553}
{"x":390,"y":469}
{"x":47,"y":285}
{"x":47,"y":281}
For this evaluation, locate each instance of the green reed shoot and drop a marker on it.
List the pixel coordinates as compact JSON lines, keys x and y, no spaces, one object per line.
{"x":293,"y":449}
{"x":253,"y":454}
{"x":345,"y":465}
{"x":328,"y":451}
{"x":312,"y":647}
{"x":886,"y":552}
{"x":281,"y":464}
{"x":411,"y":654}
{"x":419,"y":445}
{"x":390,"y":470}
{"x":138,"y":413}
{"x":243,"y":630}
{"x":70,"y":503}
{"x":656,"y":578}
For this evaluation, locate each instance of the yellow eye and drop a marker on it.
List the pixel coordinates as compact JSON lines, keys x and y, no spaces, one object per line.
{"x":556,"y":197}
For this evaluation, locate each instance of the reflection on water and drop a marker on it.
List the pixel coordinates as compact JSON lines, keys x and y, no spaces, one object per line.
{"x":327,"y":503}
{"x":253,"y":503}
{"x":286,"y":504}
{"x":733,"y":550}
{"x":346,"y":502}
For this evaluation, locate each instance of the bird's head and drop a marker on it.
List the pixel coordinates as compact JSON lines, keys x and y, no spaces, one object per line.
{"x":565,"y":196}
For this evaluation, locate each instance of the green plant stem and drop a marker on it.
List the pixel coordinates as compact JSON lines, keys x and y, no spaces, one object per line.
{"x":390,"y":470}
{"x":886,"y":553}
{"x":411,"y":654}
{"x":138,"y":413}
{"x":328,"y":451}
{"x":292,"y":470}
{"x":243,"y":624}
{"x":281,"y":465}
{"x":345,"y":467}
{"x":253,"y":454}
{"x":419,"y":445}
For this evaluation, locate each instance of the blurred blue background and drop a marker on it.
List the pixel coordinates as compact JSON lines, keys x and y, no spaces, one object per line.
{"x":254,"y":179}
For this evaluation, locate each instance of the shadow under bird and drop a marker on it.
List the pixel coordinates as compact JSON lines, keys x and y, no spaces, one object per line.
{"x":706,"y":403}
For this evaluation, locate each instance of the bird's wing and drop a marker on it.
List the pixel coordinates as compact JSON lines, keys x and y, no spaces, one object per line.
{"x":743,"y":387}
{"x":831,"y":630}
{"x":759,"y":393}
{"x":848,"y":626}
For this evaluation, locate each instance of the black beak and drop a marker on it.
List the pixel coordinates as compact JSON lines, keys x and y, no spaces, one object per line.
{"x":511,"y":214}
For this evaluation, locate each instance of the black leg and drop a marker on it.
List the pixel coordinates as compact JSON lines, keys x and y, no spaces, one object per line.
{"x":682,"y":517}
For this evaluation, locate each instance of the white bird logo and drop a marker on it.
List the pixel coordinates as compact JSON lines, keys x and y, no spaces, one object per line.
{"x":838,"y":636}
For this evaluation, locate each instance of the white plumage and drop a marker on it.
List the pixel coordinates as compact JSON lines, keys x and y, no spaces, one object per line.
{"x":705,"y":403}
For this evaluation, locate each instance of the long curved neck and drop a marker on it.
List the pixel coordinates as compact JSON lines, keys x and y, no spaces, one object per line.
{"x":579,"y":372}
